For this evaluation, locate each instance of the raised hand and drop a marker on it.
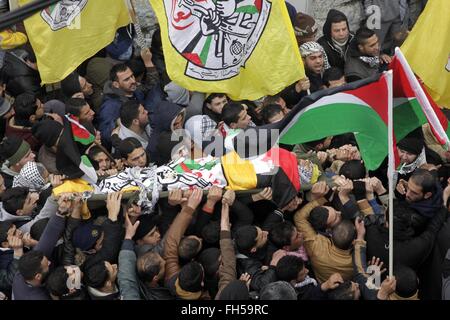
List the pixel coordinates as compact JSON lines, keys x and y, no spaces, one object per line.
{"x":265,"y":194}
{"x":146,"y":56}
{"x":277,"y":257}
{"x":333,"y":282}
{"x":176,"y":197}
{"x":246,"y":278}
{"x":130,"y":228}
{"x":387,"y":288}
{"x":28,"y":241}
{"x":360,"y":228}
{"x":16,"y":244}
{"x":229,"y":197}
{"x":402,"y":187}
{"x":195,"y":198}
{"x":113,"y":205}
{"x":56,"y":180}
{"x":319,"y":190}
{"x":214,"y":196}
{"x":65,"y":203}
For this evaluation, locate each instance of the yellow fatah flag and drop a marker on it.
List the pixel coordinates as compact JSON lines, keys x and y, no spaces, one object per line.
{"x":427,"y":50}
{"x":69,"y":32}
{"x":246,"y":49}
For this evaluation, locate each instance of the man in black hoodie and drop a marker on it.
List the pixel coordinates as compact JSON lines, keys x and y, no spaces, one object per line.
{"x":336,"y":38}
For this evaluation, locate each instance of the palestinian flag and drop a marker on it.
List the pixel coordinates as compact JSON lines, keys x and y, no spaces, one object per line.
{"x":277,"y":168}
{"x":360,"y":107}
{"x":80,"y":133}
{"x":413,"y":106}
{"x":69,"y":160}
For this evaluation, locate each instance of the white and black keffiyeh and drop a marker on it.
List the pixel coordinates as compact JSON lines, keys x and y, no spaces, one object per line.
{"x":312,"y":47}
{"x":30,"y":177}
{"x":373,"y":62}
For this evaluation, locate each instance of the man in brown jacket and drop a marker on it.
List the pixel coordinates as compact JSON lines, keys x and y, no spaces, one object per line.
{"x":185,"y":282}
{"x":229,"y":287}
{"x":328,"y":256}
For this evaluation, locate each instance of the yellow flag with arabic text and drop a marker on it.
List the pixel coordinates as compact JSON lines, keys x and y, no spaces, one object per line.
{"x":69,"y":32}
{"x":246,"y":49}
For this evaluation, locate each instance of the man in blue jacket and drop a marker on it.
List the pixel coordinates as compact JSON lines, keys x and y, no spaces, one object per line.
{"x":121,"y":88}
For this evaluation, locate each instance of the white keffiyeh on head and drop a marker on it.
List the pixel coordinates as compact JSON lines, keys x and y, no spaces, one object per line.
{"x":30,"y":177}
{"x":312,"y":47}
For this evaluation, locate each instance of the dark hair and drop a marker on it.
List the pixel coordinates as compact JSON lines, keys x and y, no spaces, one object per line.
{"x":332,"y":74}
{"x":342,"y":292}
{"x":74,"y":106}
{"x":57,"y":282}
{"x":270,"y":111}
{"x":288,"y":268}
{"x":96,"y":275}
{"x":37,"y":229}
{"x":337,"y":17}
{"x":94,"y":151}
{"x":313,"y":144}
{"x":137,"y":66}
{"x":190,"y":277}
{"x":209,"y":259}
{"x":212,"y":96}
{"x":24,"y":107}
{"x":402,"y":228}
{"x":121,"y":67}
{"x":268,"y":100}
{"x":30,"y":264}
{"x":363,"y":34}
{"x":128,"y":112}
{"x":281,"y":233}
{"x":211,"y":232}
{"x":425,"y":179}
{"x":128,"y":145}
{"x":188,"y":248}
{"x":318,"y":218}
{"x":13,"y":199}
{"x":343,"y":235}
{"x":353,"y":170}
{"x":279,"y":290}
{"x":245,"y":238}
{"x":407,"y":284}
{"x":149,"y":267}
{"x":4,"y":228}
{"x":230,"y":112}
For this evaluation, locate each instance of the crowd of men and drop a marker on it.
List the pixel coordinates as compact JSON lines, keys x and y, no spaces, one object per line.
{"x":119,"y":109}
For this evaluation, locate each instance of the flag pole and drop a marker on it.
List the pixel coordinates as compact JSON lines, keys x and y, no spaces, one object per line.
{"x":391,"y":170}
{"x":423,"y":100}
{"x":137,"y":27}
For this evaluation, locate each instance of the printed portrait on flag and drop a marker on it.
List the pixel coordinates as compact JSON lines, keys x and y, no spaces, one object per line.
{"x":215,"y":37}
{"x":63,"y":13}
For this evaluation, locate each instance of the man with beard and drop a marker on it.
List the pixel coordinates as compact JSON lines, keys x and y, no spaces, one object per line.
{"x":122,"y":87}
{"x":34,"y":266}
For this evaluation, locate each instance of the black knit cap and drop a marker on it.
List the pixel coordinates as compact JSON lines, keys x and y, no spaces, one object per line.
{"x":412,"y":145}
{"x":146,"y":223}
{"x":47,"y":132}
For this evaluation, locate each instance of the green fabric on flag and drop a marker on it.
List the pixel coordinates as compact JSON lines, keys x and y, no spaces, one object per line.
{"x":338,"y":118}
